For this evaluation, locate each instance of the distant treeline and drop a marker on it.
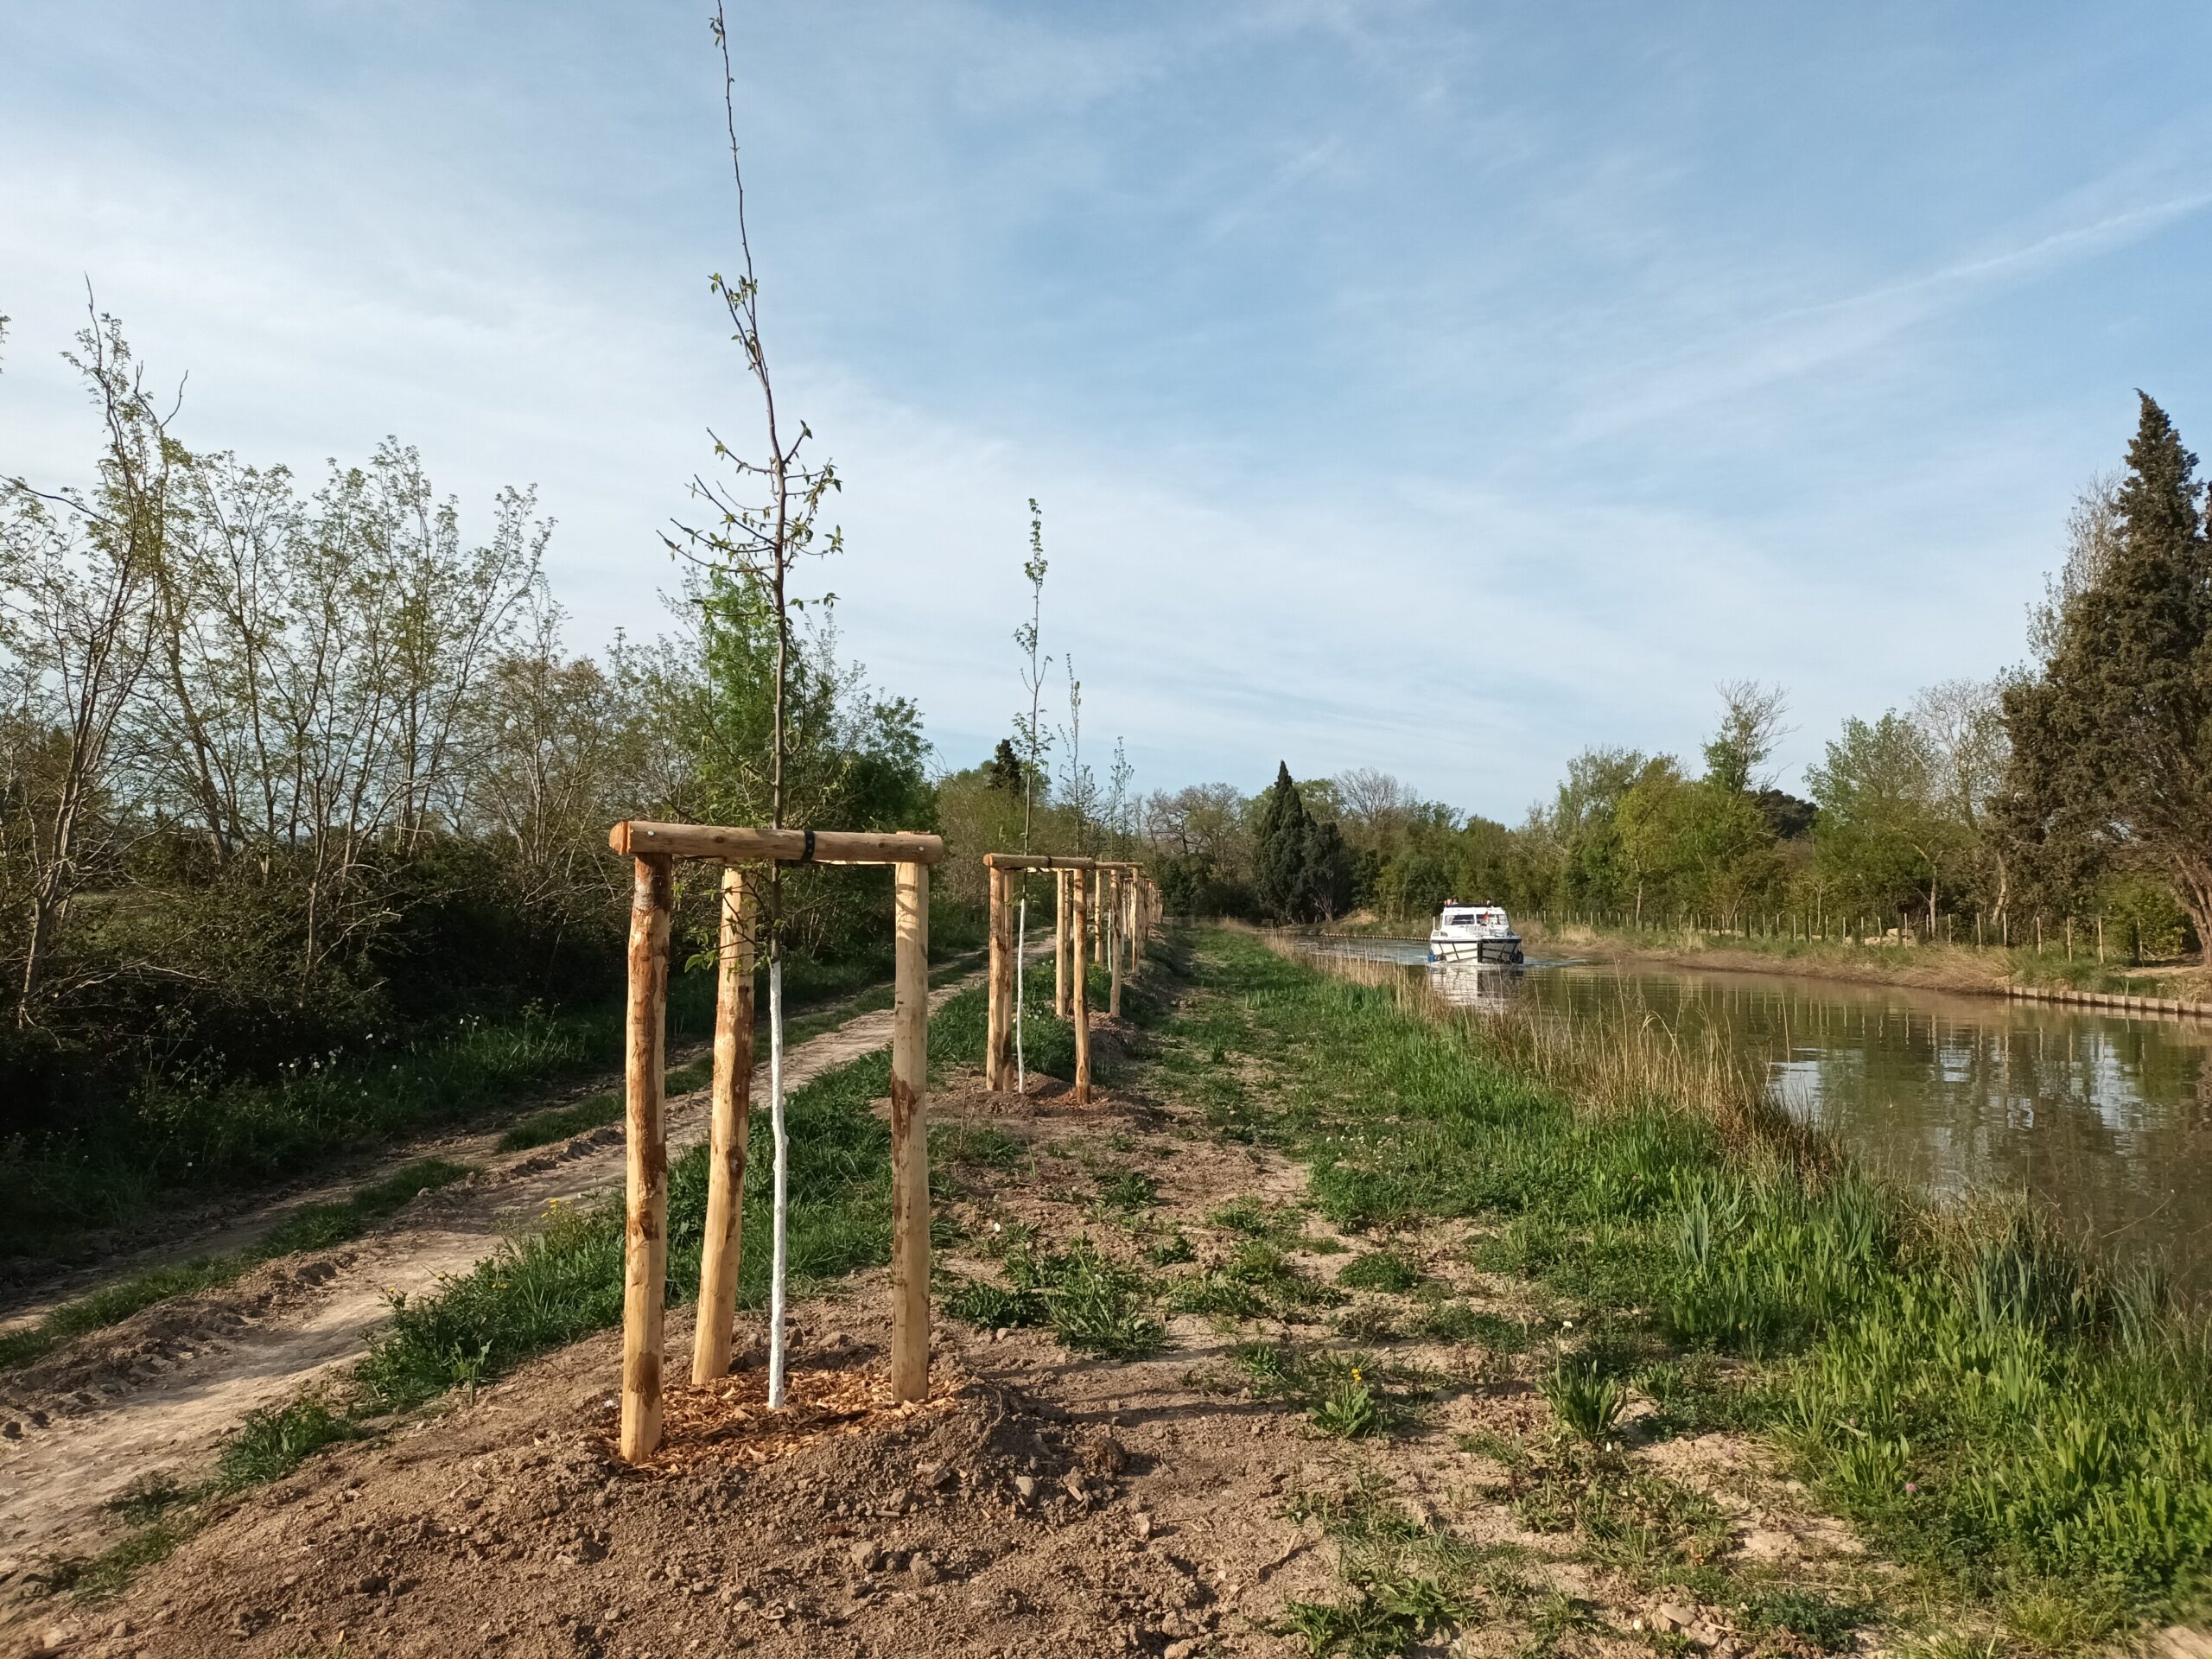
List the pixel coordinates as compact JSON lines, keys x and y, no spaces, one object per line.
{"x":287,"y":770}
{"x":2078,"y":785}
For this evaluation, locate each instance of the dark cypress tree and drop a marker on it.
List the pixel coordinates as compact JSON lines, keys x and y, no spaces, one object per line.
{"x":1006,"y":771}
{"x":2112,"y":738}
{"x":1325,"y":891}
{"x":1279,"y":877}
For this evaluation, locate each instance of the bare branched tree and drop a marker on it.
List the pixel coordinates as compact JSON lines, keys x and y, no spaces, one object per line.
{"x":1078,"y":790}
{"x":1029,"y":728}
{"x":2093,"y":530}
{"x":766,"y":518}
{"x":764,"y":522}
{"x":79,"y":567}
{"x":1750,"y":730}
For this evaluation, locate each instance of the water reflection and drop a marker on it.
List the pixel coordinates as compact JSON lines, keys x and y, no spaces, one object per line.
{"x":1470,"y":985}
{"x":2107,"y":1118}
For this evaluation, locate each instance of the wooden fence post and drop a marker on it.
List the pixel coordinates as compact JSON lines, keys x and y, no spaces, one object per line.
{"x":1133,"y":922}
{"x":1114,"y":944}
{"x":644,"y":1260}
{"x":1079,"y":994}
{"x":1060,"y":944}
{"x":998,"y":1059}
{"x":721,"y":1252}
{"x":910,"y":1152}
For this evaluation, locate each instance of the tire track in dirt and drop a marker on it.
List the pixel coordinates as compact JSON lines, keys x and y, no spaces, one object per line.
{"x":162,"y":1390}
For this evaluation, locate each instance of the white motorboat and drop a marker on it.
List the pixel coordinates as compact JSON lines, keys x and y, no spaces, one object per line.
{"x":1476,"y":934}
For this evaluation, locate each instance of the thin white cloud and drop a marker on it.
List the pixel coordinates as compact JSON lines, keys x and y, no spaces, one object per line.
{"x":1803,"y":339}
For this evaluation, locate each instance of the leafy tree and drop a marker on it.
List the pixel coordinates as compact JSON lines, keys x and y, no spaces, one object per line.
{"x":1788,"y":818}
{"x":2140,"y":917}
{"x":1880,"y":836}
{"x":1573,"y":853}
{"x":1327,"y":892}
{"x":2112,"y":734}
{"x":1651,"y":821}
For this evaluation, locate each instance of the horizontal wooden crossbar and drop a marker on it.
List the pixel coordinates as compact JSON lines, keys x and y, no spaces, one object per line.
{"x":1055,"y":861}
{"x":634,"y":836}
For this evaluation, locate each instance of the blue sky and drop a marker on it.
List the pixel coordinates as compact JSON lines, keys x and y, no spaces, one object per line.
{"x":1442,"y":388}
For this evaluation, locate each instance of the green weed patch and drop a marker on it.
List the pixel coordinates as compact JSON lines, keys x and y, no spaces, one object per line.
{"x":1091,"y":1302}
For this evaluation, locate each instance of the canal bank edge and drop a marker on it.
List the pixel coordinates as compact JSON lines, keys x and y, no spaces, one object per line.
{"x":1867,"y":969}
{"x":2171,"y":1006}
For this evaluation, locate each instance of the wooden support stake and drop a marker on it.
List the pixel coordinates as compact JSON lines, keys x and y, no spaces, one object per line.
{"x":1133,"y":908}
{"x":1114,"y":944}
{"x":1060,"y":944}
{"x":644,"y":1260}
{"x":1079,"y":997}
{"x":722,"y":1249}
{"x":910,"y":1148}
{"x":998,"y":1059}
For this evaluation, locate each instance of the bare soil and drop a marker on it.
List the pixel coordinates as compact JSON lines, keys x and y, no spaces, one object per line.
{"x":1042,"y":1501}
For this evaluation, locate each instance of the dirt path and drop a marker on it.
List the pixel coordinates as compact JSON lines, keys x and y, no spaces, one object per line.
{"x":162,"y":1389}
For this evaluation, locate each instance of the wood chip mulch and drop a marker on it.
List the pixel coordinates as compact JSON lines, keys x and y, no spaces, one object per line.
{"x":730,"y":1421}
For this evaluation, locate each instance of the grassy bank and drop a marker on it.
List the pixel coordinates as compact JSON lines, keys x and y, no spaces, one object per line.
{"x":2027,"y":1434}
{"x":1985,"y":970}
{"x":318,"y":1226}
{"x":180,"y":1140}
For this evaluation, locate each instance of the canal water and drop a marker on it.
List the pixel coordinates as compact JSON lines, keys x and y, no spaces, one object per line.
{"x":2105,"y":1118}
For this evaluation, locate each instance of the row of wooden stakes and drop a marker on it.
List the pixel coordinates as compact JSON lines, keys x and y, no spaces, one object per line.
{"x":1123,"y":894}
{"x":1103,"y":912}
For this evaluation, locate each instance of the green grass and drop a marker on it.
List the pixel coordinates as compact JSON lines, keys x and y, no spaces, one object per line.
{"x":1584,"y":1399}
{"x":312,"y":1227}
{"x":555,"y":1123}
{"x":1256,"y":1279}
{"x":1092,"y":1303}
{"x":564,"y":1280}
{"x":1380,"y":1271}
{"x":1408,"y":1582}
{"x":273,"y":1443}
{"x":1127,"y":1189}
{"x":176,"y":1140}
{"x":113,"y":1303}
{"x":2032,"y":1435}
{"x":96,"y":1577}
